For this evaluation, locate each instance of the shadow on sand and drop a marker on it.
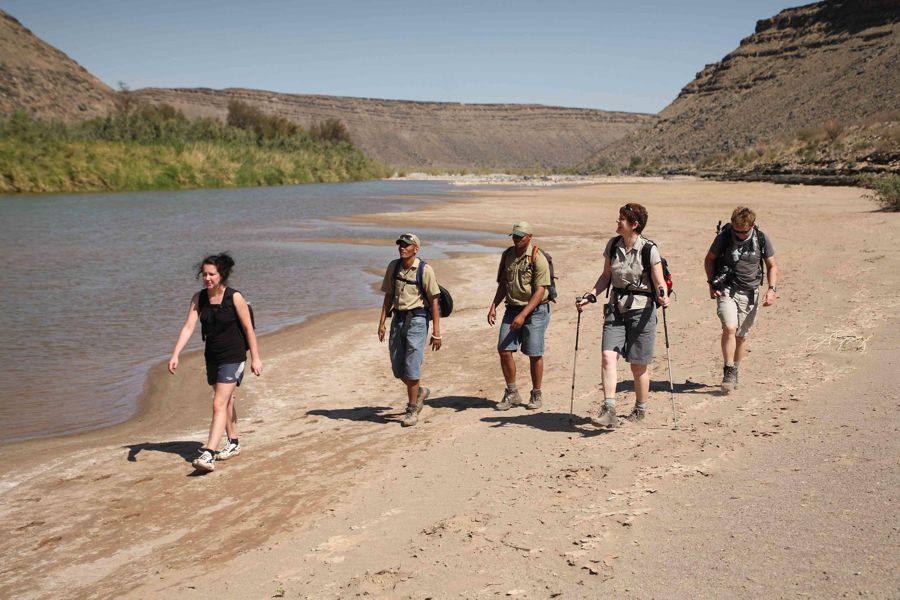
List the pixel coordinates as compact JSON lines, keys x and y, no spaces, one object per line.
{"x":186,"y":450}
{"x":394,"y":414}
{"x":549,"y":421}
{"x":688,"y":387}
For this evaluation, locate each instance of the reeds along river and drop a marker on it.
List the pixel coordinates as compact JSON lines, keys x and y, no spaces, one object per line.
{"x":96,"y":286}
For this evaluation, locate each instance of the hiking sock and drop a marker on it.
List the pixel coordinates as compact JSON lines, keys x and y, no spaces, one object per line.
{"x":737,"y":364}
{"x":609,"y":402}
{"x":512,"y":387}
{"x":641,"y":406}
{"x":730,"y":365}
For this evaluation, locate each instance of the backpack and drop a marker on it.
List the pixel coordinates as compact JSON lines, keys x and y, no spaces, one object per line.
{"x":227,"y":300}
{"x":645,"y":261}
{"x":551,"y":289}
{"x":445,"y":300}
{"x":728,"y":242}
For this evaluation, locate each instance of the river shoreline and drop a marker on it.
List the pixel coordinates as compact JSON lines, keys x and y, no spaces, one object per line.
{"x":332,"y":498}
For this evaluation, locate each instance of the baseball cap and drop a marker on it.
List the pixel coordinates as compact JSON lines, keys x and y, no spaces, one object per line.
{"x":522,"y":228}
{"x":409,"y":238}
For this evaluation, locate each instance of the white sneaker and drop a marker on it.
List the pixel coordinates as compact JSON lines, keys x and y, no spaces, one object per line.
{"x":205,"y":462}
{"x":230,"y":449}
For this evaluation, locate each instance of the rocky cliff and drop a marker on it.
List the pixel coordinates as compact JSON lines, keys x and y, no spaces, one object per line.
{"x":44,"y":81}
{"x":835,"y":61}
{"x":432,"y":134}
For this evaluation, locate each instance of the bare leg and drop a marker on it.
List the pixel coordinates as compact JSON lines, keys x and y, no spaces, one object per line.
{"x":728,"y":343}
{"x":610,"y":357}
{"x":739,"y":348}
{"x":508,"y":365}
{"x":222,"y":394}
{"x":641,"y":383}
{"x":412,"y":389}
{"x":537,"y":371}
{"x":231,"y":425}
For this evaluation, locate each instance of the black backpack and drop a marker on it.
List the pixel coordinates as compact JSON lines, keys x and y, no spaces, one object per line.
{"x":551,"y":289}
{"x":728,"y":242}
{"x":645,"y":261}
{"x":227,"y":300}
{"x":445,"y":300}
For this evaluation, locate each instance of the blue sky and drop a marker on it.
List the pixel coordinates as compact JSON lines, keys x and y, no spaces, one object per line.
{"x":613,"y":55}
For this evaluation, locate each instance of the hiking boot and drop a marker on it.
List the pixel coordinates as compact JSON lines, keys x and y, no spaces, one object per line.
{"x":206,"y":461}
{"x":534,"y":402}
{"x":729,"y":378}
{"x":510,"y":399}
{"x":230,"y":449}
{"x":607,"y":418}
{"x":412,"y":415}
{"x":424,"y":392}
{"x":736,"y":384}
{"x":636,"y":415}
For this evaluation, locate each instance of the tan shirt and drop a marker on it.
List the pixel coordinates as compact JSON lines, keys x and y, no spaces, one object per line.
{"x":520,"y":275}
{"x":628,"y":272}
{"x":406,"y":292}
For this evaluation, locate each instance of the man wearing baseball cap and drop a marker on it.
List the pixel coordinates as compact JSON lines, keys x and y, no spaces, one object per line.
{"x":523,"y":281}
{"x":413,"y":303}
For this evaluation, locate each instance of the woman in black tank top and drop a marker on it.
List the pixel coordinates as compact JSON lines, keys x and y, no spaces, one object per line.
{"x":228,"y":331}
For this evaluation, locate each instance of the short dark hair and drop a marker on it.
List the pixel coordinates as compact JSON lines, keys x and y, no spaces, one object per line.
{"x":635,"y":213}
{"x":223,"y":263}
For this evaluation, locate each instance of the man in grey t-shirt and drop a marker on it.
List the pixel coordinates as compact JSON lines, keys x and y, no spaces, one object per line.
{"x":734,"y":270}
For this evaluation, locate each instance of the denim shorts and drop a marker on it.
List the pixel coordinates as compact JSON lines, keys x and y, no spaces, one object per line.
{"x":224,"y":373}
{"x":632,"y":333}
{"x":530,"y":336}
{"x":406,"y":344}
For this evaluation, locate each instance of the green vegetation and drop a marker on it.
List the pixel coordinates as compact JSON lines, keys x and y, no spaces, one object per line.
{"x":886,"y":190}
{"x":156,"y":147}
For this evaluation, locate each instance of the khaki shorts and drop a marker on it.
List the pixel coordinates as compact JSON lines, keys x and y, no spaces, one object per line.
{"x":737,"y":311}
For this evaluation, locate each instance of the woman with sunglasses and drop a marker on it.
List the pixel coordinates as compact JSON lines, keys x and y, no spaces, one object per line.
{"x":629,"y":318}
{"x":228,"y":332}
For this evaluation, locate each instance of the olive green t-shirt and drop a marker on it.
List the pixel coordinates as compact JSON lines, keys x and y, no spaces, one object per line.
{"x":406,"y":292}
{"x":519,"y":275}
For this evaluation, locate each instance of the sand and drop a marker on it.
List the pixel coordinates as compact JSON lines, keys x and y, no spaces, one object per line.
{"x":787,"y":487}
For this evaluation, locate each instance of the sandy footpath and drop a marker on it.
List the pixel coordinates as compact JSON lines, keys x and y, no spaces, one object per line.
{"x":786,"y":488}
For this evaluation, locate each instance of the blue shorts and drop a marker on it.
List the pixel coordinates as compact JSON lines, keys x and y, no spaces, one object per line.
{"x":530,"y":336}
{"x":406,"y":344}
{"x":224,"y":373}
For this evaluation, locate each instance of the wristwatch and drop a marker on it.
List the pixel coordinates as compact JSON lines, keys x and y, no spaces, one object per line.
{"x":773,"y":288}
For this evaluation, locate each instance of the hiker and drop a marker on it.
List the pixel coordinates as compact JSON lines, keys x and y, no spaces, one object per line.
{"x":523,"y":282}
{"x":411,"y":293}
{"x":228,"y":331}
{"x":734,"y":270}
{"x":633,"y":269}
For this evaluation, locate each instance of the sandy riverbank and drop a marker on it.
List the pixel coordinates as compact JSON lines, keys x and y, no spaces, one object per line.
{"x":332,"y":498}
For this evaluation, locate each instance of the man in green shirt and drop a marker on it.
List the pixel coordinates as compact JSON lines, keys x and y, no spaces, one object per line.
{"x":523,"y":282}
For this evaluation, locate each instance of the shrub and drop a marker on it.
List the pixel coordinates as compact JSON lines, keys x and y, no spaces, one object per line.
{"x":886,"y":190}
{"x":331,"y":130}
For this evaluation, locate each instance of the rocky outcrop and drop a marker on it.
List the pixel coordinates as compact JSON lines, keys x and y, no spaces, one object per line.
{"x":431,"y":134}
{"x":44,"y":81}
{"x":806,"y":66}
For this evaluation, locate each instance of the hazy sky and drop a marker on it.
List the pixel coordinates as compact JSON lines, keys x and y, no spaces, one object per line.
{"x":614,"y":55}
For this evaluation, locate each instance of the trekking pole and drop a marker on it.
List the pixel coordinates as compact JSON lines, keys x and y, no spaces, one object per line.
{"x":574,"y":363}
{"x":668,"y":360}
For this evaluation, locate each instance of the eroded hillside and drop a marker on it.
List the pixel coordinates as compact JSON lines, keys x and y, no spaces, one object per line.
{"x":432,"y":134}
